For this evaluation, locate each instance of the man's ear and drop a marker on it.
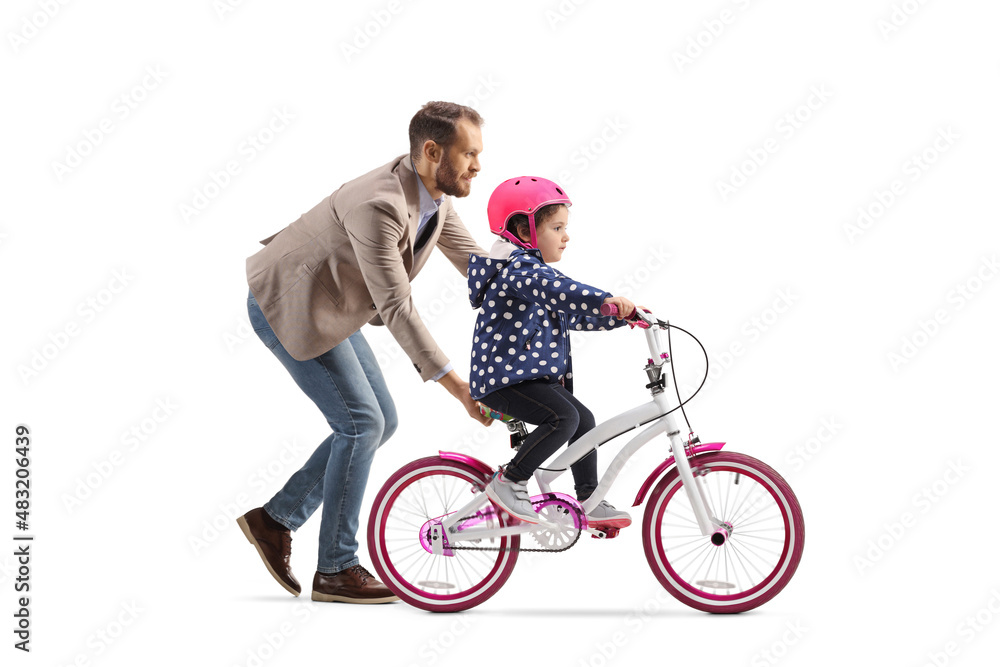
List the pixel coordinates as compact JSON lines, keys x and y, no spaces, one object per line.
{"x":432,"y":151}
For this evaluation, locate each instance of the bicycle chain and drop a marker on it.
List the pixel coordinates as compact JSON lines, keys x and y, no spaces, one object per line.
{"x":552,"y":551}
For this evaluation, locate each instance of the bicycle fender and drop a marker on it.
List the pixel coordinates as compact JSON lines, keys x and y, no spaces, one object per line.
{"x":663,"y":467}
{"x":469,"y":460}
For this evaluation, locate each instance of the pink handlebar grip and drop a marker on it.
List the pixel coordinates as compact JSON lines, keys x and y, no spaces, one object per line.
{"x":610,"y":309}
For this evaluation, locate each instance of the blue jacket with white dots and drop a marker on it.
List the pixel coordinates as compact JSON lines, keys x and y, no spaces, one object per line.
{"x":526,"y":310}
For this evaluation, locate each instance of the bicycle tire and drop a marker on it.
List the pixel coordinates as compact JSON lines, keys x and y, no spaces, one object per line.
{"x":708,"y":577}
{"x":424,"y":490}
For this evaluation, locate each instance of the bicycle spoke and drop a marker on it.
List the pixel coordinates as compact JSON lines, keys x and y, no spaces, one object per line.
{"x":738,"y":550}
{"x":674,"y":525}
{"x":419,"y":551}
{"x":693,"y":522}
{"x":708,"y":551}
{"x":779,"y":540}
{"x":694,"y":553}
{"x":759,"y":505}
{"x":752,"y":487}
{"x":452,"y":492}
{"x":420,"y":517}
{"x":700,"y":539}
{"x":414,"y":545}
{"x":736,"y":575}
{"x":712,"y":560}
{"x":412,"y":508}
{"x":757,"y":549}
{"x":435,"y":486}
{"x":725,"y":503}
{"x":460,"y":564}
{"x":739,"y":559}
{"x":743,"y":524}
{"x":411,"y":527}
{"x":449,"y":500}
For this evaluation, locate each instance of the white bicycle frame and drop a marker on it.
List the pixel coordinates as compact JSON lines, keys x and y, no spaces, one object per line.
{"x":656,"y":411}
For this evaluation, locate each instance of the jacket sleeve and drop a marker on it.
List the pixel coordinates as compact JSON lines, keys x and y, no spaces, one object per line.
{"x":375,"y":229}
{"x":585,"y":322}
{"x":457,"y":243}
{"x":538,"y":282}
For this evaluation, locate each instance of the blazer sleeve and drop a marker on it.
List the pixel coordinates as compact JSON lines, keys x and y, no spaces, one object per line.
{"x":375,"y":229}
{"x":457,"y":243}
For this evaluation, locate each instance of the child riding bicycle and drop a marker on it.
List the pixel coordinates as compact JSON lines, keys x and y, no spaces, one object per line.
{"x":521,"y":363}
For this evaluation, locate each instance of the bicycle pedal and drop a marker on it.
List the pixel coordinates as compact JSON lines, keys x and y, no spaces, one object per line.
{"x":603,"y":533}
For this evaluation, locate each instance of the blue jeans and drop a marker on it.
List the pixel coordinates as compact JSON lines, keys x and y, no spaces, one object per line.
{"x":347,"y":386}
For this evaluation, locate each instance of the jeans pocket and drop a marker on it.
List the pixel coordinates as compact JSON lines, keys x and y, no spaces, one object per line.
{"x":260,"y":326}
{"x":268,"y":338}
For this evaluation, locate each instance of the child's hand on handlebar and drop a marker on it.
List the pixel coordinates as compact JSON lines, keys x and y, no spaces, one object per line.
{"x":625,"y":307}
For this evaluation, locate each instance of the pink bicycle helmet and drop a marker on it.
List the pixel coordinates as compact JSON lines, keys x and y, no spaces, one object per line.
{"x":525,"y":195}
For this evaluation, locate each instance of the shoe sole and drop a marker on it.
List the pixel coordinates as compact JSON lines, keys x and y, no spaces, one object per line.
{"x":324,"y":597}
{"x":250,"y":538}
{"x":609,"y":523}
{"x":534,"y":520}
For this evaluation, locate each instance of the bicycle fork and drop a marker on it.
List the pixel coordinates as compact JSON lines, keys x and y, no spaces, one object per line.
{"x":708,"y":524}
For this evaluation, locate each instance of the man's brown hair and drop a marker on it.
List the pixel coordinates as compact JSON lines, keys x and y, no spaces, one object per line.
{"x":437,"y":121}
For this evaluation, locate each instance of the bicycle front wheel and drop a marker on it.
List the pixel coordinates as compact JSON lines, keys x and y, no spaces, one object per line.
{"x":757,"y":552}
{"x":401,"y":537}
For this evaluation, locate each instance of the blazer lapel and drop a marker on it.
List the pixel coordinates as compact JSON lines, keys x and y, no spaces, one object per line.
{"x":441,"y":214}
{"x":411,"y":190}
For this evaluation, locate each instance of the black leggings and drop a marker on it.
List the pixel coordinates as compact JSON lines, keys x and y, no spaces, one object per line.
{"x":559,"y":417}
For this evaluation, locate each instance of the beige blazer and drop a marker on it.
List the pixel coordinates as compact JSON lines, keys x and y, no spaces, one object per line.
{"x":350,"y":260}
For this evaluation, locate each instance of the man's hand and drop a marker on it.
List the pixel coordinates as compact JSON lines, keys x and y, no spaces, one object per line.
{"x":459,"y":388}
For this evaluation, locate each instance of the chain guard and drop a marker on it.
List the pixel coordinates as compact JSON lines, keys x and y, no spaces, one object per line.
{"x":562,"y":508}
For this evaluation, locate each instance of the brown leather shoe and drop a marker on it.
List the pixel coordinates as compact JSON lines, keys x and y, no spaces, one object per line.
{"x":355,"y":584}
{"x":274,"y":544}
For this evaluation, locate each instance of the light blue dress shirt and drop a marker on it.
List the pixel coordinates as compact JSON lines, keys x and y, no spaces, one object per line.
{"x":428,"y":207}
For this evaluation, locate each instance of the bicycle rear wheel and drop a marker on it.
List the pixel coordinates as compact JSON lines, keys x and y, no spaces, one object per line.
{"x":753,"y":562}
{"x":401,"y":538}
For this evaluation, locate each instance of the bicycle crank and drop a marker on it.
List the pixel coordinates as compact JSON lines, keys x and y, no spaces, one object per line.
{"x":563,"y":517}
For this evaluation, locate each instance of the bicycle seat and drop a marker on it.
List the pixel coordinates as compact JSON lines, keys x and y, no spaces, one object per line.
{"x":493,"y":414}
{"x":518,"y":432}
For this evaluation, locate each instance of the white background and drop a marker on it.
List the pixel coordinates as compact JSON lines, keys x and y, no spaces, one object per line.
{"x":813,"y":390}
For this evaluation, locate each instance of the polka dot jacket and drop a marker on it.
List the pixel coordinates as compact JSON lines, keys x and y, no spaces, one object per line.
{"x":526,"y":310}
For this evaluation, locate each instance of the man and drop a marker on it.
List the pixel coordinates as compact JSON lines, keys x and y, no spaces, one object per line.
{"x":346,"y":262}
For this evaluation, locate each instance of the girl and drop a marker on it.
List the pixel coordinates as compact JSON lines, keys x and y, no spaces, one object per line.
{"x":521,"y":362}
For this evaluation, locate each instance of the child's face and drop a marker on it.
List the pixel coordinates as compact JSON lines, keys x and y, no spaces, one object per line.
{"x":551,"y":235}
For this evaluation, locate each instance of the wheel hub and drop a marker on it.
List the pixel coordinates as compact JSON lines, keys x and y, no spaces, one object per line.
{"x":722,"y":533}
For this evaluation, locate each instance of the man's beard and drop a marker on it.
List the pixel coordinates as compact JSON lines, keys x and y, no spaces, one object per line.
{"x":448,"y":180}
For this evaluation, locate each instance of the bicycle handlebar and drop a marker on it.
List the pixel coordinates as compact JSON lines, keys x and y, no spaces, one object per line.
{"x":637,"y":317}
{"x":645,"y":319}
{"x":610,"y":309}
